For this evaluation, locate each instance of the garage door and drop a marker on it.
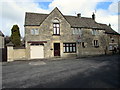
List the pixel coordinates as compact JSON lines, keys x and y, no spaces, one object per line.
{"x":37,"y":51}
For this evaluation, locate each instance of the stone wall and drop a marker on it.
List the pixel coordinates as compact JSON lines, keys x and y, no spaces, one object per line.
{"x":66,"y":36}
{"x":15,"y":53}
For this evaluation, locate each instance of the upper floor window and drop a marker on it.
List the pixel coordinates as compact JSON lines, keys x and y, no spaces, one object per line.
{"x":35,"y":31}
{"x":56,"y":27}
{"x":77,"y":31}
{"x":95,"y":32}
{"x":95,"y":43}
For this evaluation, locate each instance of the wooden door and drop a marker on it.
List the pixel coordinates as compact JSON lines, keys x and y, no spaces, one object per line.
{"x":56,"y":49}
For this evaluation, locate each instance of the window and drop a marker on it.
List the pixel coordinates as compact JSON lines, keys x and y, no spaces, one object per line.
{"x":95,"y":43}
{"x":77,"y":31}
{"x":32,"y":31}
{"x":69,"y":47}
{"x":35,"y":31}
{"x":95,"y":32}
{"x":56,"y":28}
{"x":83,"y":45}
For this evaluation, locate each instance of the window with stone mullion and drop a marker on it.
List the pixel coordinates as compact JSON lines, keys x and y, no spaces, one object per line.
{"x":56,"y":29}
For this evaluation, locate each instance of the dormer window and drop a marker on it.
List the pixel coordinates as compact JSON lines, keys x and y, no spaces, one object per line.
{"x":56,"y":27}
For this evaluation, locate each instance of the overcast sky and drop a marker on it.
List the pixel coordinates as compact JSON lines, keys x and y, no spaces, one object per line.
{"x":13,"y":11}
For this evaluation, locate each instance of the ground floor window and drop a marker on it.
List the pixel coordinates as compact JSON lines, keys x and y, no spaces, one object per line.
{"x":95,"y":43}
{"x":69,"y":47}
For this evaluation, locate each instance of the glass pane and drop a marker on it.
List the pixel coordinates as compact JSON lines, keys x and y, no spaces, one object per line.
{"x":63,"y":49}
{"x":80,"y":32}
{"x":70,"y":49}
{"x":54,"y":31}
{"x":36,"y":31}
{"x":32,"y":31}
{"x":57,"y":30}
{"x":93,"y":32}
{"x":97,"y":43}
{"x":74,"y":49}
{"x":73,"y":31}
{"x":67,"y":44}
{"x":57,"y":25}
{"x":70,"y":44}
{"x":76,"y":30}
{"x":67,"y":49}
{"x":73,"y":44}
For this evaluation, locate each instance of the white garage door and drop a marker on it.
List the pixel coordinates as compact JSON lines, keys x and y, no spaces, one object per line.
{"x":37,"y":51}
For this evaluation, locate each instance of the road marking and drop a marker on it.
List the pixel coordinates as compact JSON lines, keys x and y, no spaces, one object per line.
{"x":37,"y":63}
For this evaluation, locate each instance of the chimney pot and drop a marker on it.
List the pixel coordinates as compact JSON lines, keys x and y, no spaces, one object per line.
{"x":93,"y":16}
{"x":79,"y":15}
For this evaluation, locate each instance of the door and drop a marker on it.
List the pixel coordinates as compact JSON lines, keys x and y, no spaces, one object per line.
{"x":56,"y":49}
{"x":37,"y":51}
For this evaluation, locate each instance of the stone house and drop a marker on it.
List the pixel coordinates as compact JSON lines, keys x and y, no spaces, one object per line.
{"x":1,"y":45}
{"x":58,"y":35}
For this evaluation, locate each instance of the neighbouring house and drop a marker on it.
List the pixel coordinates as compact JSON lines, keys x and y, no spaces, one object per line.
{"x":58,"y":35}
{"x":1,"y":45}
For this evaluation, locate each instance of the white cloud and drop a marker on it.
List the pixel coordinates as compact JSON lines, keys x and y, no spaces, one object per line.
{"x":74,"y":6}
{"x":113,"y":8}
{"x":13,"y":12}
{"x":87,"y":7}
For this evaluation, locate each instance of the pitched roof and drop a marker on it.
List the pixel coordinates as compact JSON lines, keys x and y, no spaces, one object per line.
{"x":108,"y":29}
{"x":1,"y":34}
{"x":35,"y":19}
{"x":82,"y":22}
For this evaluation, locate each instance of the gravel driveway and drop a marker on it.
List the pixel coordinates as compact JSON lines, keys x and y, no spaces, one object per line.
{"x":92,"y":72}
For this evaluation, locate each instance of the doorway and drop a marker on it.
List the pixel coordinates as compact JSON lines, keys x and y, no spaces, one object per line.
{"x":56,"y":49}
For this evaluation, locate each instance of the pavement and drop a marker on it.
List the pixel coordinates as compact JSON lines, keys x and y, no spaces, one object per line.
{"x":91,"y":72}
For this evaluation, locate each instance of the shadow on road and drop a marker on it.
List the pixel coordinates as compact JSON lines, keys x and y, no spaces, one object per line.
{"x":106,"y":76}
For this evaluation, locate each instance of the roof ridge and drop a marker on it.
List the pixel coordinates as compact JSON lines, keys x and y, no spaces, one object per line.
{"x":35,"y":13}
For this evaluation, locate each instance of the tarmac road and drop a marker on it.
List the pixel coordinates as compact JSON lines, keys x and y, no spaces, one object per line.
{"x":92,"y":72}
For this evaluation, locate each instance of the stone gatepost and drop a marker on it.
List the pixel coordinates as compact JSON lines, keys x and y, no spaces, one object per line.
{"x":10,"y":51}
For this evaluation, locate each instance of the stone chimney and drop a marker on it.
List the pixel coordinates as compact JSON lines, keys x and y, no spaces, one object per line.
{"x":79,"y":15}
{"x":109,"y":25}
{"x":93,"y":16}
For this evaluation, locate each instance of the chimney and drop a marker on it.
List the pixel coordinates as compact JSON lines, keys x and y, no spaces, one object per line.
{"x":109,"y":25}
{"x":79,"y":15}
{"x":93,"y":16}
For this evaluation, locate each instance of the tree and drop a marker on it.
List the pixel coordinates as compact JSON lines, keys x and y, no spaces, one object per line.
{"x":15,"y":35}
{"x":7,"y":39}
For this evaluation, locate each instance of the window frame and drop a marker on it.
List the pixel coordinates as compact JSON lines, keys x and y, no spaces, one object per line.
{"x":34,"y":30}
{"x":77,"y":31}
{"x":95,"y":32}
{"x":96,"y":43}
{"x":69,"y":47}
{"x":56,"y":29}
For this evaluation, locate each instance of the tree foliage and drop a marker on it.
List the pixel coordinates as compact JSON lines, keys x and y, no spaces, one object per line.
{"x":15,"y":35}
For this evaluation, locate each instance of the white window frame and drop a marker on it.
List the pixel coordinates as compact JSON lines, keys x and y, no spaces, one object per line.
{"x":56,"y":29}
